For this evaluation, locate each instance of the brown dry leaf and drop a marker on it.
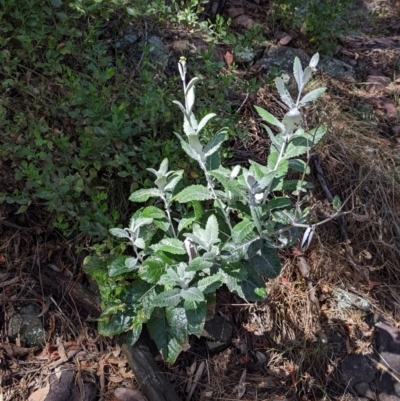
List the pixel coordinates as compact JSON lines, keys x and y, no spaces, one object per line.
{"x":376,"y":83}
{"x":40,"y":395}
{"x":127,"y":375}
{"x":100,"y":368}
{"x":372,"y":284}
{"x":297,"y":252}
{"x":390,"y":108}
{"x":121,"y":361}
{"x":116,"y":351}
{"x":285,"y":281}
{"x":2,"y":258}
{"x":14,"y":351}
{"x":118,"y":145}
{"x":393,"y":89}
{"x":61,"y":350}
{"x":228,"y":58}
{"x":284,"y":38}
{"x":115,"y":379}
{"x":244,"y":359}
{"x":278,"y":372}
{"x":60,"y":45}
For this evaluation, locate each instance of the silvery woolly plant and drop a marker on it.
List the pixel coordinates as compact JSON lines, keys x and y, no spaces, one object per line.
{"x":225,"y":231}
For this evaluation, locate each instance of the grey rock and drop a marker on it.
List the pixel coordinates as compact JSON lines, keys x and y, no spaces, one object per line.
{"x":388,"y":341}
{"x":126,"y":42}
{"x":364,"y":389}
{"x":337,"y":69}
{"x":282,"y":58}
{"x":346,"y":299}
{"x":27,"y":325}
{"x":356,"y":369}
{"x":245,"y":56}
{"x":158,"y":51}
{"x":218,"y":334}
{"x":64,"y":387}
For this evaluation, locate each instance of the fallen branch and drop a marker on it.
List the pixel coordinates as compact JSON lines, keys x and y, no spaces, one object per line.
{"x":148,"y":375}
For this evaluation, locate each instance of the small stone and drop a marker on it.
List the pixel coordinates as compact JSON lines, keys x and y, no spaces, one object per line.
{"x":127,"y":41}
{"x":245,"y":56}
{"x":364,"y":389}
{"x":388,"y":341}
{"x":244,"y":21}
{"x":63,"y":386}
{"x":27,"y":325}
{"x":180,"y":46}
{"x":282,"y":59}
{"x":356,"y":369}
{"x":337,"y":69}
{"x":127,"y":394}
{"x":235,"y":12}
{"x":158,"y":51}
{"x":218,"y":333}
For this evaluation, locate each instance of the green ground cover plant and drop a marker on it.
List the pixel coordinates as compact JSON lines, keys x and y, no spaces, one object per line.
{"x":77,"y":136}
{"x":190,"y":239}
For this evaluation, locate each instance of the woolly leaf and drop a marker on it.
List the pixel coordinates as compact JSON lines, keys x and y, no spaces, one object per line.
{"x":177,"y":322}
{"x":167,"y":298}
{"x":152,"y":269}
{"x":196,"y":313}
{"x":311,"y":96}
{"x":269,"y":118}
{"x":298,"y":73}
{"x":170,"y":245}
{"x":162,"y":334}
{"x":209,"y":284}
{"x":214,"y":144}
{"x":118,"y":267}
{"x":119,"y":232}
{"x":193,"y":193}
{"x":314,"y":60}
{"x":307,"y":75}
{"x":242,"y":231}
{"x":212,"y":231}
{"x":134,"y":334}
{"x":188,"y":149}
{"x":213,"y":162}
{"x":203,"y":122}
{"x":118,"y":323}
{"x":142,"y":195}
{"x":284,"y":93}
{"x":192,"y":294}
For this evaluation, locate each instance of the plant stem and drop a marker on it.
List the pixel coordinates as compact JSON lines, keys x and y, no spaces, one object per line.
{"x":168,"y":210}
{"x":211,"y":186}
